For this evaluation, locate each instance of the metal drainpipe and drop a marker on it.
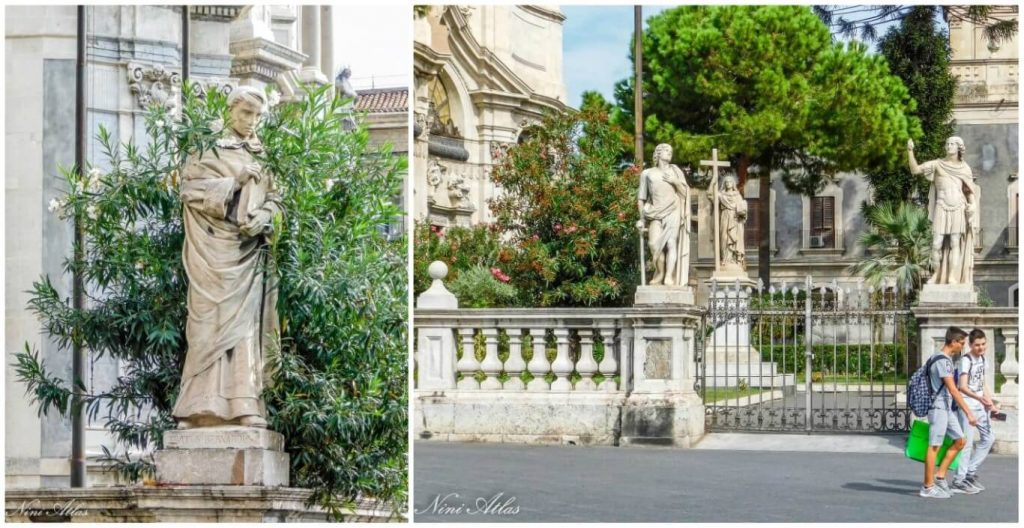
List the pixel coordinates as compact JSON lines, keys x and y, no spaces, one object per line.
{"x":78,"y":288}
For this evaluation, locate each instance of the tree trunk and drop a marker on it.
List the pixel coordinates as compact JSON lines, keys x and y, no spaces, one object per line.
{"x":764,"y":246}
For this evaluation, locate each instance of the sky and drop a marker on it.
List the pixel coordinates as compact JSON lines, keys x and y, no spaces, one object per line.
{"x":595,"y":47}
{"x":374,"y":41}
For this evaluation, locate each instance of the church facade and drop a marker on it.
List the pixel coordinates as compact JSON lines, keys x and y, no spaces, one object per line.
{"x":483,"y":75}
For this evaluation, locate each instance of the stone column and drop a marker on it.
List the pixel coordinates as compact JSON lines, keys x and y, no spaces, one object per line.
{"x":327,"y":40}
{"x":311,"y":46}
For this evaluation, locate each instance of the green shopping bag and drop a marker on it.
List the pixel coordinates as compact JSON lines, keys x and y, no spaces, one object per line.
{"x":917,"y":445}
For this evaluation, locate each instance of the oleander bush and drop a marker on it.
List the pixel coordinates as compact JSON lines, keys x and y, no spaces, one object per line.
{"x":339,"y":387}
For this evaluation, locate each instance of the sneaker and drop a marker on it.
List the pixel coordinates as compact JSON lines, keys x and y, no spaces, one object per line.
{"x":962,"y":486}
{"x":973,"y":481}
{"x":933,"y":492}
{"x":943,"y":485}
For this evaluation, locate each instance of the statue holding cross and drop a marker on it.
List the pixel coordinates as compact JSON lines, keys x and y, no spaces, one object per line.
{"x":730,"y":213}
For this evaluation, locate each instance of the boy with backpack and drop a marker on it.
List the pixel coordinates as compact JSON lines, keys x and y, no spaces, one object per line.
{"x":979,"y":402}
{"x":942,"y":421}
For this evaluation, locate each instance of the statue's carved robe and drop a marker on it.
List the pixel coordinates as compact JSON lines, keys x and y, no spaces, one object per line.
{"x":232,"y":316}
{"x":733,"y":214}
{"x":948,"y":205}
{"x":671,"y":207}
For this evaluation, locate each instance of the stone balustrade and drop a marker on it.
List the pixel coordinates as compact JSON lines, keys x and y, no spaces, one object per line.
{"x":554,"y":375}
{"x":532,"y":350}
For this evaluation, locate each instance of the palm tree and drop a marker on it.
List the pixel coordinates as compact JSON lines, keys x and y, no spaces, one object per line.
{"x":897,"y":246}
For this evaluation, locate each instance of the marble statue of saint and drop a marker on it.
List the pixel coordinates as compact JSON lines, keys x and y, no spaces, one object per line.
{"x":953,"y":213}
{"x":344,"y":87}
{"x":664,"y":202}
{"x":228,"y":201}
{"x":732,"y":215}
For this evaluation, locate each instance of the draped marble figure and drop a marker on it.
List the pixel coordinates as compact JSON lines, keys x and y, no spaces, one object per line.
{"x":663,"y":199}
{"x":732,"y":216}
{"x":229,"y":201}
{"x":953,"y":211}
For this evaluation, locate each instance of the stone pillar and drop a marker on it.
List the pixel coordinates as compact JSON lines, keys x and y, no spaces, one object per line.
{"x":311,"y":46}
{"x":327,"y":40}
{"x":436,"y":344}
{"x":1009,"y":368}
{"x":663,"y":408}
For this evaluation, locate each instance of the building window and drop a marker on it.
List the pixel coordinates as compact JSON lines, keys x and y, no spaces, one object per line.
{"x":752,"y":229}
{"x":823,"y":222}
{"x":441,"y":119}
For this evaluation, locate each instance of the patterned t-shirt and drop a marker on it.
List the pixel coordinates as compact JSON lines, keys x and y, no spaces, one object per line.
{"x":974,"y":367}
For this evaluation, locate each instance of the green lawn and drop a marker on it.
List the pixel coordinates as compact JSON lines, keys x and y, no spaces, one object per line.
{"x":727,"y":393}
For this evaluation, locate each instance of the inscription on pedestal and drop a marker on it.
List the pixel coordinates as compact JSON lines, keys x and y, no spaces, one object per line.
{"x":658,"y":359}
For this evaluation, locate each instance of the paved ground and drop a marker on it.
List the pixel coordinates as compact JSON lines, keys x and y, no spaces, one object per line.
{"x":454,"y":482}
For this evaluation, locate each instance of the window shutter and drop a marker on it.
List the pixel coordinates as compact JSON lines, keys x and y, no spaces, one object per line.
{"x":829,"y":220}
{"x":752,"y":229}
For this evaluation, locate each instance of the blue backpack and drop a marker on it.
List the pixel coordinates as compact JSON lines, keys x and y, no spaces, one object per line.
{"x":920,"y":395}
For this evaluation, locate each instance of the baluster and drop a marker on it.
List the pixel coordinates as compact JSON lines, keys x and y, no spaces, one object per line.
{"x":539,"y":365}
{"x":608,"y":367}
{"x":562,"y":365}
{"x":467,"y":364}
{"x":586,"y":366}
{"x":515,"y":364}
{"x":491,"y":364}
{"x":1009,"y":367}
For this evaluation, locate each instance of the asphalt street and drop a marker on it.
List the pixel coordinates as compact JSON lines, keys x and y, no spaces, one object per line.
{"x":512,"y":483}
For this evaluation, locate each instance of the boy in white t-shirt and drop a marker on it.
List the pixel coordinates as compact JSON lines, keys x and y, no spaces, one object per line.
{"x":979,"y":401}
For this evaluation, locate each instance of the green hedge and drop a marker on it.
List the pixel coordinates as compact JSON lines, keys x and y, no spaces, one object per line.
{"x":854,"y":360}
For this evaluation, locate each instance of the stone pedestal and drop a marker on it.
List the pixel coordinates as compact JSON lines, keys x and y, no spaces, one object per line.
{"x":728,"y":355}
{"x":230,"y":455}
{"x":663,"y":295}
{"x":949,"y":294}
{"x":663,"y":407}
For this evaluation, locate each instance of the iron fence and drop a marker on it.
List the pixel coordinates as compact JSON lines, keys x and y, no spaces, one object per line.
{"x":807,"y":357}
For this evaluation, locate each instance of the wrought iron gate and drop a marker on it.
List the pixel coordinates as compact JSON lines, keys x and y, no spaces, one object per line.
{"x":805,"y":358}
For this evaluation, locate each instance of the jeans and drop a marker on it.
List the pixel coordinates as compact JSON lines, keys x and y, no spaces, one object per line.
{"x":972,"y":456}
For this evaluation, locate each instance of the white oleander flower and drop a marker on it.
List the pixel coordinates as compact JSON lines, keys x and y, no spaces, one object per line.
{"x":55,"y":205}
{"x":274,"y":98}
{"x":217,"y":126}
{"x":139,"y":265}
{"x":160,"y":123}
{"x":330,"y":183}
{"x":92,"y":212}
{"x":94,"y":179}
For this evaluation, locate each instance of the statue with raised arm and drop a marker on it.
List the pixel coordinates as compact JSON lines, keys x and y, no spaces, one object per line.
{"x":731,"y":217}
{"x":664,"y":203}
{"x":953,"y":211}
{"x":229,"y":202}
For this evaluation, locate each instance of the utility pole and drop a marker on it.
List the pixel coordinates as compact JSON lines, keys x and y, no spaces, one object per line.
{"x":78,"y":284}
{"x":186,"y":56}
{"x":638,"y":83}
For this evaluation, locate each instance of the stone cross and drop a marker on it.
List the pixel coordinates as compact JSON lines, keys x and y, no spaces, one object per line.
{"x":715,"y":164}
